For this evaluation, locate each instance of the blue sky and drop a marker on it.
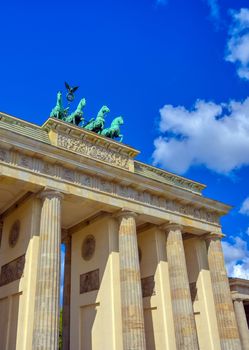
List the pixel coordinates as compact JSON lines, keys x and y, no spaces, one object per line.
{"x":178,"y":72}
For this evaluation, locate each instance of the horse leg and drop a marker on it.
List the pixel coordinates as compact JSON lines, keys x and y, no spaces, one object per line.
{"x":121,"y":137}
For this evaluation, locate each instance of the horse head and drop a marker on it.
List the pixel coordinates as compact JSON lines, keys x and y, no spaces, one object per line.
{"x":81,"y":104}
{"x":103,"y":110}
{"x":59,"y":98}
{"x":118,"y":121}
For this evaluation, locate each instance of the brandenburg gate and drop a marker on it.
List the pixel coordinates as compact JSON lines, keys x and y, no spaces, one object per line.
{"x":144,"y":267}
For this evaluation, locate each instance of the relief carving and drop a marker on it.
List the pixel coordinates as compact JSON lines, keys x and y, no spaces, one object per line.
{"x":3,"y":155}
{"x":93,"y":151}
{"x":47,"y":169}
{"x":68,"y":174}
{"x":12,"y":271}
{"x":14,"y":233}
{"x":86,"y":180}
{"x":148,"y":286}
{"x":95,"y":182}
{"x":25,"y":162}
{"x":89,"y":281}
{"x":88,"y":247}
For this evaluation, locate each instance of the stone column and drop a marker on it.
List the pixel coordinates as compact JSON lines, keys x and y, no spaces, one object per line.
{"x":130,"y":284}
{"x":242,"y":323}
{"x":206,"y":305}
{"x":184,"y":321}
{"x":228,"y":331}
{"x":66,"y":295}
{"x":46,"y":324}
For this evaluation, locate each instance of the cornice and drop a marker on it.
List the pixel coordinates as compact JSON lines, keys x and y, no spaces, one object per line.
{"x":14,"y":120}
{"x":165,"y":176}
{"x":234,"y":281}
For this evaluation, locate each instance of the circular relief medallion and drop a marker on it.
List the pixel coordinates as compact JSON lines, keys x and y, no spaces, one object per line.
{"x":88,"y":247}
{"x":14,"y":233}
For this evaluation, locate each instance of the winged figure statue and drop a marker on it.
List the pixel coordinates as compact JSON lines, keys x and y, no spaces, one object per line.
{"x":71,"y":90}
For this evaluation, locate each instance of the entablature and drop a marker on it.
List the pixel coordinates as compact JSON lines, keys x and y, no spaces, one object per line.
{"x":57,"y":165}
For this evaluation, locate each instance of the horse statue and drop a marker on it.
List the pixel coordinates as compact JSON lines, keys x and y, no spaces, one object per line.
{"x":58,"y":111}
{"x":97,"y":125}
{"x":114,"y":130}
{"x":77,"y":116}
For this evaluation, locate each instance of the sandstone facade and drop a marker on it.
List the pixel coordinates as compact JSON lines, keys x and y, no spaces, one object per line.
{"x":144,"y":267}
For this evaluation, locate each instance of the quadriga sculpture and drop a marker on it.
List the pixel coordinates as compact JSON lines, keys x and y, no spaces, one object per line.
{"x":114,"y":130}
{"x":97,"y":125}
{"x":58,"y":111}
{"x":77,"y":116}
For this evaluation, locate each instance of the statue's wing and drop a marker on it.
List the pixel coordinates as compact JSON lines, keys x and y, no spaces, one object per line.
{"x":67,"y":85}
{"x":74,"y":89}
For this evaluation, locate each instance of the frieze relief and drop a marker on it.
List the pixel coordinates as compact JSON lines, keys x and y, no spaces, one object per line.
{"x":89,"y":281}
{"x":12,"y":271}
{"x":4,"y":155}
{"x":148,"y":286}
{"x":88,"y":149}
{"x":102,"y":185}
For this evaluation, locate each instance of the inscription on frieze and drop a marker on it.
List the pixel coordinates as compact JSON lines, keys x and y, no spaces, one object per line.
{"x":12,"y":271}
{"x":148,"y":286}
{"x":89,"y":281}
{"x":98,"y":152}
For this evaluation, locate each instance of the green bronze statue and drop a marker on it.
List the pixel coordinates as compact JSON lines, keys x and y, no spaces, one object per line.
{"x":97,"y":125}
{"x":77,"y":116}
{"x":58,"y":111}
{"x":114,"y":130}
{"x":70,"y":91}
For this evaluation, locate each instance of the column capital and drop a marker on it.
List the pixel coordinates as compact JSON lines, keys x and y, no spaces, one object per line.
{"x":50,"y":193}
{"x":211,"y":236}
{"x":236,"y":296}
{"x":171,"y":226}
{"x":125,"y":213}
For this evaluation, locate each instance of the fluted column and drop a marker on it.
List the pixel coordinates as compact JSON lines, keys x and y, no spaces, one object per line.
{"x":228,"y":331}
{"x":184,"y":322}
{"x":130,"y":284}
{"x":46,"y":324}
{"x":242,"y":323}
{"x":66,"y":295}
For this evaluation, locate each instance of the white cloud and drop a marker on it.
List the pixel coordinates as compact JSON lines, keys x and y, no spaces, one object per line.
{"x":213,"y":135}
{"x":238,"y":44}
{"x":236,"y":258}
{"x":245,"y":208}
